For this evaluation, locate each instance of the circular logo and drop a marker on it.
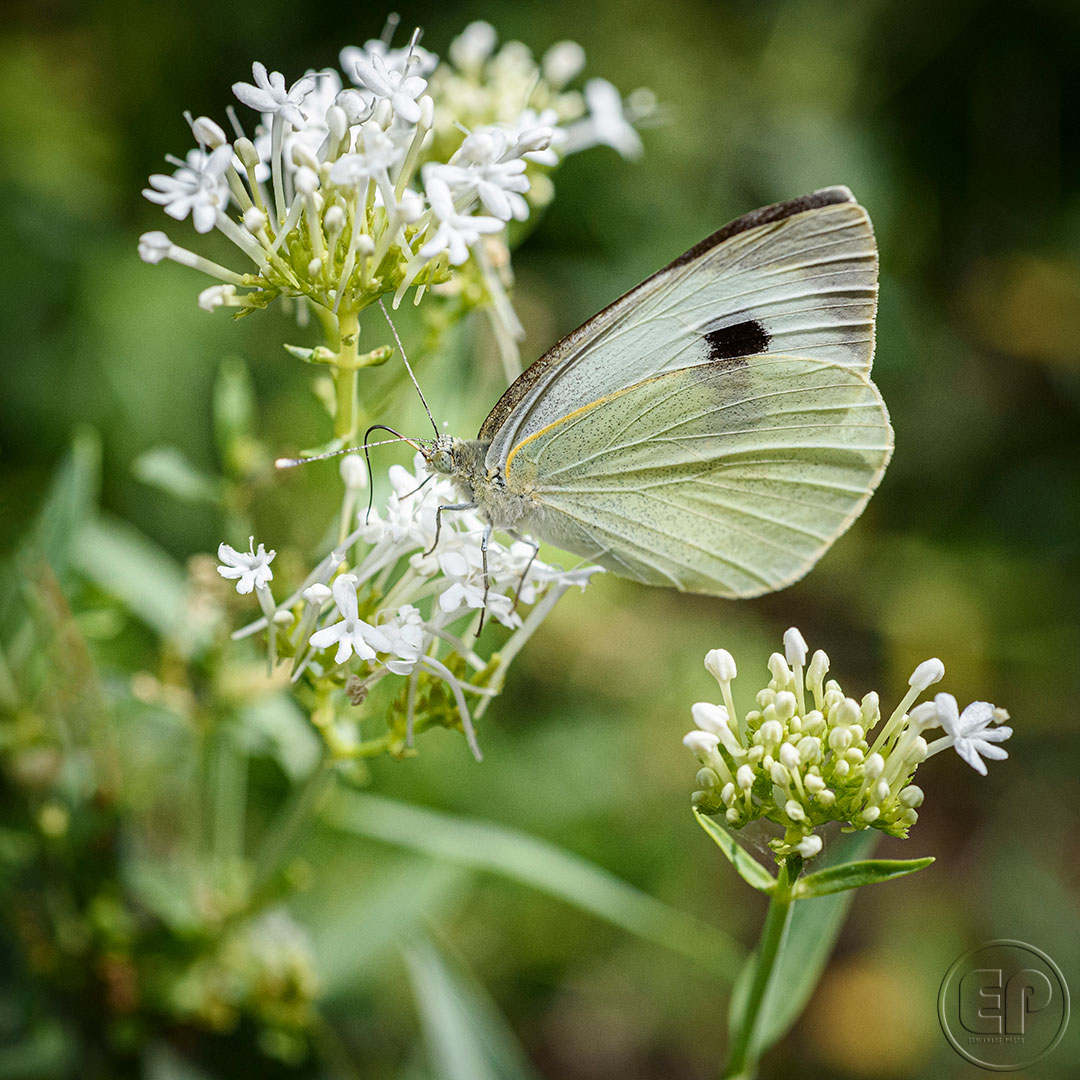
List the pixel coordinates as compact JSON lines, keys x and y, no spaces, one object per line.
{"x":1004,"y":1005}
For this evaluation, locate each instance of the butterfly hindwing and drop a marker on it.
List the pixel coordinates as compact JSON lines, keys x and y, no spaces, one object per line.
{"x":731,"y":477}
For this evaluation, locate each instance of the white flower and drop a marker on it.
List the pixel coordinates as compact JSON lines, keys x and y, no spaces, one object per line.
{"x":406,"y":634}
{"x":486,"y":166}
{"x":410,"y":60}
{"x":269,"y":95}
{"x":217,"y":296}
{"x":399,"y":89}
{"x":970,"y":731}
{"x":351,"y":633}
{"x":564,"y":61}
{"x":249,"y":569}
{"x":198,"y":188}
{"x":472,"y":47}
{"x":376,"y":153}
{"x":154,"y":246}
{"x":606,"y":124}
{"x":456,"y":231}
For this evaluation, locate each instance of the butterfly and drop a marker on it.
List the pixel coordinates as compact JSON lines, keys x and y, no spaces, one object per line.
{"x":715,"y":429}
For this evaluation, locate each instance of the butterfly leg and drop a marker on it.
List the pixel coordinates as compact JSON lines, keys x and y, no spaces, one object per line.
{"x":438,"y":521}
{"x":528,"y":566}
{"x":487,"y":581}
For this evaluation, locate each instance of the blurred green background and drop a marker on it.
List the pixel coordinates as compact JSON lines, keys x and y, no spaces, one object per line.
{"x":956,"y":126}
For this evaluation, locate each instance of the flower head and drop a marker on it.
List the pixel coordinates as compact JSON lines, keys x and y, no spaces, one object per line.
{"x":805,"y":757}
{"x":249,"y":569}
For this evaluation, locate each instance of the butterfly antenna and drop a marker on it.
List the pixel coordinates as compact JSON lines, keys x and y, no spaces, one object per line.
{"x":292,"y":462}
{"x":408,"y":366}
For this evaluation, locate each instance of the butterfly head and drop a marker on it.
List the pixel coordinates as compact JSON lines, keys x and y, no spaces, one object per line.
{"x":440,"y":456}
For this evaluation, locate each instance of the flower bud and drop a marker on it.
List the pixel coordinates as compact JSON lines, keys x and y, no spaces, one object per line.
{"x":744,"y":776}
{"x":254,"y":220}
{"x":709,"y":717}
{"x":794,"y":647}
{"x":353,"y":472}
{"x":926,"y":674}
{"x":789,"y":756}
{"x":337,"y":122}
{"x":809,"y":846}
{"x":246,"y":152}
{"x":564,"y":61}
{"x":208,"y":133}
{"x":911,"y":796}
{"x":785,"y":705}
{"x":720,"y":664}
{"x":317,"y":593}
{"x":706,"y":778}
{"x":154,"y":246}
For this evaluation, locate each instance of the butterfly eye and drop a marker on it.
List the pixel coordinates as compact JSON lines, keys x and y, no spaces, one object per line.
{"x":442,"y":461}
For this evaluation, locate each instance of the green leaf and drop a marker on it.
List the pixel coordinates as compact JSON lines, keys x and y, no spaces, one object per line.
{"x":851,"y":875}
{"x":72,"y":500}
{"x":467,"y":1037}
{"x":391,"y":905}
{"x":483,"y":845}
{"x":166,"y":468}
{"x":234,"y":404}
{"x":811,"y":935}
{"x":134,"y":570}
{"x":748,"y":868}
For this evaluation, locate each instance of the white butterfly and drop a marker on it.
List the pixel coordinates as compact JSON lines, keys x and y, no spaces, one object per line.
{"x":713,"y":430}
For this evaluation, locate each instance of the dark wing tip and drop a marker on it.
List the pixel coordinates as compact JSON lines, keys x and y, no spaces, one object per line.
{"x":768,"y":215}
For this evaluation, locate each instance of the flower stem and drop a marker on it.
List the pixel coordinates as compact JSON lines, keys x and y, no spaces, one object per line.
{"x":742,"y":1061}
{"x":345,"y":374}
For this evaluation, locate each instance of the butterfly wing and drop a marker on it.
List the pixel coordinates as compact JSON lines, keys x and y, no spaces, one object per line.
{"x":798,"y":277}
{"x":730,"y":478}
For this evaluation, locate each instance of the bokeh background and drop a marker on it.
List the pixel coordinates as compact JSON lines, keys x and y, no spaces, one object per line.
{"x":956,"y":126}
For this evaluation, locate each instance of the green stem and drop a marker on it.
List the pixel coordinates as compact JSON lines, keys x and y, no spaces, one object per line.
{"x":345,"y":374}
{"x":742,"y":1062}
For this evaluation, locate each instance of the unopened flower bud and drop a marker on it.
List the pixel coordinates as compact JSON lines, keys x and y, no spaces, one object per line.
{"x":246,"y":152}
{"x":208,"y":133}
{"x":794,"y":647}
{"x":926,"y":674}
{"x":720,"y":664}
{"x":353,"y":472}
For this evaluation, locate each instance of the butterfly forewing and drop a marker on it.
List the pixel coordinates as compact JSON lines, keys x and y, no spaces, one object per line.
{"x":798,"y":277}
{"x":730,"y":477}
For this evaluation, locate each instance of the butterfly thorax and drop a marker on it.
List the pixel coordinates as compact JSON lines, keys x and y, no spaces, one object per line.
{"x":463,"y":461}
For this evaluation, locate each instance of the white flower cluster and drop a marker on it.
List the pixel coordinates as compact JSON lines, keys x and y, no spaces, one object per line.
{"x":408,"y":585}
{"x":803,"y":756}
{"x":348,"y":189}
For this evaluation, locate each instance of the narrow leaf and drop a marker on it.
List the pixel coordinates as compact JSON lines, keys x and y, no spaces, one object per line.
{"x":809,"y":941}
{"x":483,"y":845}
{"x":166,"y":468}
{"x":748,"y":868}
{"x":467,"y":1037}
{"x":851,"y":875}
{"x":234,"y":404}
{"x":131,"y":568}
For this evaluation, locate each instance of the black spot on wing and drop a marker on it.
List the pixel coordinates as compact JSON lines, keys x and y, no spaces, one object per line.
{"x":740,"y":339}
